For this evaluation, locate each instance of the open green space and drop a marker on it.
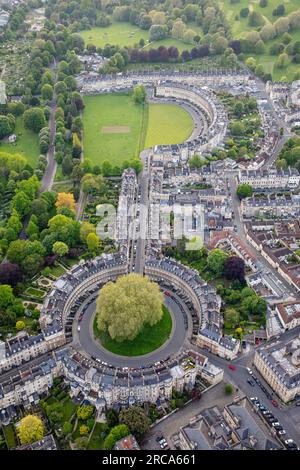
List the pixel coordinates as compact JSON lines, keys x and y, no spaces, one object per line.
{"x":106,"y":117}
{"x":126,"y":34}
{"x":112,"y":110}
{"x":167,"y":124}
{"x":27,"y":143}
{"x":240,"y":25}
{"x":10,"y":436}
{"x":121,"y":34}
{"x":97,"y":438}
{"x":149,"y":339}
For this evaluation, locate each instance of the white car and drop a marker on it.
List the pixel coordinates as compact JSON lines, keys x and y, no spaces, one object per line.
{"x":276,"y":424}
{"x":282,"y":432}
{"x":249,"y":370}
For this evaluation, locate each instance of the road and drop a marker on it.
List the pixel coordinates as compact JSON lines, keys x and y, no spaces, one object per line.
{"x":50,"y":171}
{"x":143,"y":219}
{"x":85,"y":342}
{"x":242,"y":234}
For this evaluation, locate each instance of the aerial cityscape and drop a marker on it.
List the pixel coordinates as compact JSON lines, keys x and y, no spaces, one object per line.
{"x":150,"y":226}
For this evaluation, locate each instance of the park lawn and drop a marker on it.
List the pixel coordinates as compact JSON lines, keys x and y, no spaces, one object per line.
{"x":145,"y":126}
{"x":121,"y":34}
{"x":10,"y":436}
{"x":167,"y":124}
{"x":112,"y":110}
{"x":149,"y":339}
{"x":240,"y":25}
{"x":96,"y":441}
{"x":27,"y":143}
{"x":125,"y":34}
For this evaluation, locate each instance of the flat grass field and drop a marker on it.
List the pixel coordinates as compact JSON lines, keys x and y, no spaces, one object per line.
{"x":27,"y":143}
{"x":145,"y":126}
{"x":149,"y":339}
{"x":167,"y":124}
{"x":126,"y":34}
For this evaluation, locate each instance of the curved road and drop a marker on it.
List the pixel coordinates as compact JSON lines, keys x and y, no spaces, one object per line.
{"x":93,"y":347}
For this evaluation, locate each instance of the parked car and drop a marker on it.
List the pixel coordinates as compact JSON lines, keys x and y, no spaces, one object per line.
{"x":253,"y":399}
{"x":250,"y":382}
{"x":274,"y":403}
{"x":298,"y":403}
{"x":249,"y":370}
{"x":282,"y":432}
{"x":276,"y":423}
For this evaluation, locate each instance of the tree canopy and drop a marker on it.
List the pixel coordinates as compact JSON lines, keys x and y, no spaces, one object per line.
{"x":124,"y":307}
{"x":30,"y":429}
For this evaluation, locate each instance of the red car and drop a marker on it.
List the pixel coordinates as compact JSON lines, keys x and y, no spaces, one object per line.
{"x":274,"y":403}
{"x":231,"y":367}
{"x":167,"y":293}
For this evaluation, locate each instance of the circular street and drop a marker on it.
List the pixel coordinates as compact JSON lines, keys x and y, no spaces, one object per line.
{"x":172,"y":346}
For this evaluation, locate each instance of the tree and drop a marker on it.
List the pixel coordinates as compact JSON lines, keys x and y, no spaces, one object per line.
{"x":27,"y":254}
{"x":178,"y":29}
{"x":116,"y":433}
{"x":263,"y":3}
{"x":93,"y":242}
{"x":60,"y":248}
{"x":139,"y":94}
{"x":255,"y":19}
{"x":21,"y":203}
{"x":228,"y":389}
{"x":232,"y":316}
{"x":30,"y":429}
{"x":10,"y":274}
{"x":136,"y":420}
{"x":279,"y":10}
{"x":47,"y":92}
{"x":112,"y":417}
{"x":84,"y":412}
{"x":67,"y":428}
{"x":215,"y":261}
{"x":83,"y":430}
{"x":158,"y":32}
{"x":65,"y":200}
{"x":20,"y":325}
{"x":6,"y":127}
{"x":81,"y":443}
{"x":85,"y":229}
{"x":234,"y":268}
{"x":64,"y":229}
{"x":6,"y":296}
{"x":244,"y":190}
{"x":34,"y":119}
{"x":124,"y":307}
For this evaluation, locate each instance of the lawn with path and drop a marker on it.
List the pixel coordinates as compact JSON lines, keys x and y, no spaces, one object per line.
{"x":126,"y":34}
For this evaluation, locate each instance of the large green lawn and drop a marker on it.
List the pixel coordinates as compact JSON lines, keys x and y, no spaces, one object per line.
{"x":111,"y":111}
{"x":116,"y":129}
{"x":121,"y":34}
{"x":27,"y":143}
{"x":167,"y":124}
{"x":149,"y":339}
{"x":126,"y":34}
